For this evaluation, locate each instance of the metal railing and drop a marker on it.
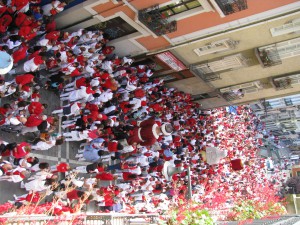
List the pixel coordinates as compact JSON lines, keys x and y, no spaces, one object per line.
{"x":207,"y":75}
{"x":281,"y":84}
{"x":230,"y":96}
{"x":153,"y":19}
{"x":268,"y":56}
{"x":86,"y":219}
{"x":232,"y":6}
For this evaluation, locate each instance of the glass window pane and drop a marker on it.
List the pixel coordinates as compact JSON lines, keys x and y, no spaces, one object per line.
{"x":179,"y":9}
{"x":193,"y":4}
{"x":167,"y":12}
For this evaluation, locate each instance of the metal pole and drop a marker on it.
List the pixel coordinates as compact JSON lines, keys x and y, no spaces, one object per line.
{"x":295,"y":203}
{"x":189,"y":195}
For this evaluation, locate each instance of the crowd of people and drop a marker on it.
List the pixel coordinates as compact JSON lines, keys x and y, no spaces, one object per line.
{"x":120,"y":114}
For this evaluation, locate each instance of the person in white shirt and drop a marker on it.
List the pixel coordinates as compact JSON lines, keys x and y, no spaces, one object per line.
{"x":53,"y":8}
{"x":104,"y":97}
{"x":46,"y":145}
{"x":16,"y":175}
{"x":39,"y":185}
{"x":82,"y":95}
{"x":12,"y":44}
{"x":109,"y":109}
{"x":142,"y":160}
{"x":136,"y":102}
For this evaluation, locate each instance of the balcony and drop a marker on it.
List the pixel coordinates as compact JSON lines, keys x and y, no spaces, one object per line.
{"x":232,"y":95}
{"x":282,"y":83}
{"x":288,"y":102}
{"x":232,"y":6}
{"x":157,"y":22}
{"x":205,"y":73}
{"x":268,"y":56}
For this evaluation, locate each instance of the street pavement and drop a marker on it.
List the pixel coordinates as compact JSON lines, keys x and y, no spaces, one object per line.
{"x":62,"y":153}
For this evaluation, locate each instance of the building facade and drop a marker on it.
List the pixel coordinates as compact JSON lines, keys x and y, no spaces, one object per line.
{"x":222,"y":52}
{"x":281,"y":116}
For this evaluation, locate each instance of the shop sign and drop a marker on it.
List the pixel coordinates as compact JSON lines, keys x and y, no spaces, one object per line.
{"x":169,"y":59}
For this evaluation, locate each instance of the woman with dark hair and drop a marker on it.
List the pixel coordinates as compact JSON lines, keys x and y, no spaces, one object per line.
{"x":44,"y":145}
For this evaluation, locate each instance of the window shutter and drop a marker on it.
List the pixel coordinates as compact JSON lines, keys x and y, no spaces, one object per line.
{"x":215,"y":47}
{"x":230,"y":62}
{"x":293,"y":26}
{"x":288,"y":49}
{"x":250,"y":87}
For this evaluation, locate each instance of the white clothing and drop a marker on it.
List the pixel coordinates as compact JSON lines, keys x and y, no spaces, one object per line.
{"x":76,"y":135}
{"x":90,"y":69}
{"x":14,"y":177}
{"x":107,"y":65}
{"x":30,"y":66}
{"x":63,"y":57}
{"x":45,"y":42}
{"x":104,"y":97}
{"x":8,"y":88}
{"x":42,"y":145}
{"x":127,"y":60}
{"x":130,"y":86}
{"x":90,"y":182}
{"x":95,"y":82}
{"x":81,"y":169}
{"x":77,"y":33}
{"x":136,"y":102}
{"x":36,"y":185}
{"x":109,"y":109}
{"x":86,"y":37}
{"x":76,"y":95}
{"x":48,"y":7}
{"x":137,"y":170}
{"x":77,"y":183}
{"x":41,"y":175}
{"x":12,"y":44}
{"x":143,"y":160}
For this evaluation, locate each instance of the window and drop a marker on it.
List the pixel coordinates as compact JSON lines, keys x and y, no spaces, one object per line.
{"x":216,"y":47}
{"x":280,"y":82}
{"x":290,"y":27}
{"x":179,"y":7}
{"x":288,"y":49}
{"x":114,"y":28}
{"x":229,"y":62}
{"x":247,"y":88}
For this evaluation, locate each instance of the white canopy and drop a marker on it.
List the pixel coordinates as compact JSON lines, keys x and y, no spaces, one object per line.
{"x":6,"y":63}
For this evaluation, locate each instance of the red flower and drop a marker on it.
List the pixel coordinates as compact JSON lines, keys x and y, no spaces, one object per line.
{"x":180,"y":217}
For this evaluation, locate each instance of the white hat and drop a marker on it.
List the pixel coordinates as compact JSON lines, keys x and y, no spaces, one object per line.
{"x":167,"y":129}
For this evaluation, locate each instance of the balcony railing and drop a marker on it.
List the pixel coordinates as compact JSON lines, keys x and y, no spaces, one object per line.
{"x":268,"y":56}
{"x":232,"y":6}
{"x":206,"y":75}
{"x":232,"y":96}
{"x":283,"y":83}
{"x":88,"y":219}
{"x":157,"y":22}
